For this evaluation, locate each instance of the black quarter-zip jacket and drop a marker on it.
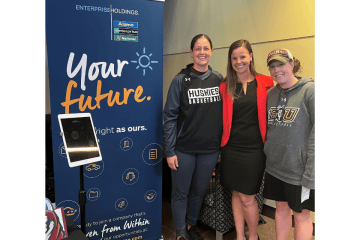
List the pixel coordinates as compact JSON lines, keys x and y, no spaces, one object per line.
{"x":193,"y":113}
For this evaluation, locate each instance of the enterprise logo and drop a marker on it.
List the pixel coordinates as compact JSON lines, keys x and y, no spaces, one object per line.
{"x":106,"y":9}
{"x":124,"y":11}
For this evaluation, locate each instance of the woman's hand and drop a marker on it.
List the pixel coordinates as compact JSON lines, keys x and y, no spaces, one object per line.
{"x":173,"y":162}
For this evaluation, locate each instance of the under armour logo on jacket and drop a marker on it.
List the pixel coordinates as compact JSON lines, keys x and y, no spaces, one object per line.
{"x":187,"y":79}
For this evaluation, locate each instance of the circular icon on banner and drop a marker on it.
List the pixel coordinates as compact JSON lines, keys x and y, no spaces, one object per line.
{"x":121,"y":204}
{"x":150,"y":196}
{"x":62,"y":150}
{"x":130,"y":176}
{"x":93,"y":194}
{"x":71,"y":209}
{"x":93,"y":170}
{"x":126,"y":144}
{"x":144,"y":61}
{"x":152,"y":154}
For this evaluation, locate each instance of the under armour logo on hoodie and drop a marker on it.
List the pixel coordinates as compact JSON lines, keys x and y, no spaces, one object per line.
{"x":187,"y":79}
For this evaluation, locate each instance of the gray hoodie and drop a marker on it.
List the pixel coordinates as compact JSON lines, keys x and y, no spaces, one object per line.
{"x":290,"y":137}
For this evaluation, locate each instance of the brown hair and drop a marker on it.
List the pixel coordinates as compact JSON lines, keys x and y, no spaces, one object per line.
{"x":297,"y":66}
{"x":231,"y":77}
{"x":193,"y":41}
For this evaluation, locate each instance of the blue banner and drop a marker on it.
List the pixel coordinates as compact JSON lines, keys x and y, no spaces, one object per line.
{"x":106,"y":58}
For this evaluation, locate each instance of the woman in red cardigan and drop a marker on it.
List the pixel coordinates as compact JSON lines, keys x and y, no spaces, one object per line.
{"x":243,"y":93}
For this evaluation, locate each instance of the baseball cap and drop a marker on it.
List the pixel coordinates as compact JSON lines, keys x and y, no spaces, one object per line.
{"x":282,"y":55}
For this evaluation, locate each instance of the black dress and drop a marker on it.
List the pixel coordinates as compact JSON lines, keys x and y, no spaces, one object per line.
{"x":242,"y":158}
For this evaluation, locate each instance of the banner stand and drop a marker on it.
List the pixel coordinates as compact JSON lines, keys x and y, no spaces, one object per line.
{"x":81,"y":147}
{"x":82,"y":200}
{"x":118,"y":79}
{"x":82,"y":197}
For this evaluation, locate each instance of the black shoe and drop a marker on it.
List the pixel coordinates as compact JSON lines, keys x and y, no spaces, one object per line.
{"x":194,"y":234}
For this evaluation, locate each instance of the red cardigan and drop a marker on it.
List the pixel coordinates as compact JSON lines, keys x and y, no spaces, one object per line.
{"x":264,"y":83}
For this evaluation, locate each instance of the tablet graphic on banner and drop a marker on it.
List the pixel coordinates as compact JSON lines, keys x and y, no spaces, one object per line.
{"x":105,"y":58}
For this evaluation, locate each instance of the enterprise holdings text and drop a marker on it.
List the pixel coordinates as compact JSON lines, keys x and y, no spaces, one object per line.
{"x":106,"y":9}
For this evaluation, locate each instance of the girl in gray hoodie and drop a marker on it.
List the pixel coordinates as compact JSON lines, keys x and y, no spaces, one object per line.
{"x":290,"y":146}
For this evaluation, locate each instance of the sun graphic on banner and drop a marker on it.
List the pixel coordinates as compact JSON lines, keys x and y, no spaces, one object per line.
{"x":144,"y":61}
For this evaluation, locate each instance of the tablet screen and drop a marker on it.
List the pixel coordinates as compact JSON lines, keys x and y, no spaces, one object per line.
{"x":80,"y":139}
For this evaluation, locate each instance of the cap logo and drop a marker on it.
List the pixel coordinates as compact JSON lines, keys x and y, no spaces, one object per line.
{"x":278,"y":51}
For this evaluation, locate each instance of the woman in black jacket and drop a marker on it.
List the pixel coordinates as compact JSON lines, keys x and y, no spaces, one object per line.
{"x":192,"y":128}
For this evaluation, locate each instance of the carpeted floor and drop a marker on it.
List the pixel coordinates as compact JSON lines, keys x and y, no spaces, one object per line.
{"x":265,"y":231}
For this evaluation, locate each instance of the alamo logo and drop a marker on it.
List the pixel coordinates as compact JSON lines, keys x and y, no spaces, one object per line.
{"x":204,"y":95}
{"x":282,"y":114}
